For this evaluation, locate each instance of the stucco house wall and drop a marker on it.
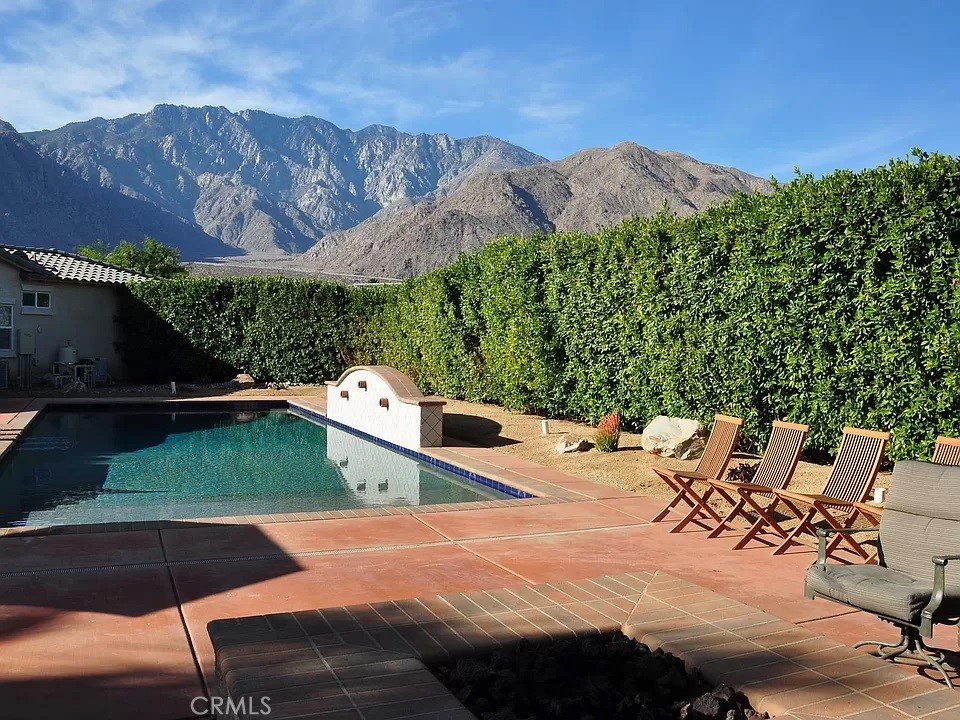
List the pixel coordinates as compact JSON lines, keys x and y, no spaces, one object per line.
{"x":82,"y":313}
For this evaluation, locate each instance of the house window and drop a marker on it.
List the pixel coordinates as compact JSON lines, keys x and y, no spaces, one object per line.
{"x":6,"y":328}
{"x":36,"y":302}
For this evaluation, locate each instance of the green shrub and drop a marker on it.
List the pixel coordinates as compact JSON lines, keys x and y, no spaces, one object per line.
{"x":831,"y":301}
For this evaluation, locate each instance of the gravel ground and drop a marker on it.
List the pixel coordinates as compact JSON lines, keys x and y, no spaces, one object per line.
{"x":628,"y":468}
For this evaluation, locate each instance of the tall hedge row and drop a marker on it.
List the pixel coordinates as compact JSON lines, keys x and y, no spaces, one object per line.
{"x":832,"y":301}
{"x":211,"y":328}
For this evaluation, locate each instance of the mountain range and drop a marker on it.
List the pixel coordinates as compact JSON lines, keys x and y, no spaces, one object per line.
{"x":264,"y":183}
{"x":587,"y":191}
{"x":375,"y":201}
{"x":44,"y":204}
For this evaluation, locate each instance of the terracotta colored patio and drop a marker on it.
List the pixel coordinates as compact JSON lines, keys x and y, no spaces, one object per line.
{"x":113,"y":623}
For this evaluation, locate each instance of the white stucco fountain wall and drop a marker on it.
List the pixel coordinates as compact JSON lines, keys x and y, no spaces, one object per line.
{"x":383,"y":402}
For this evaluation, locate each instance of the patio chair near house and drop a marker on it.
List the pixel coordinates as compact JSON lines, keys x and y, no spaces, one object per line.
{"x":774,"y":472}
{"x":915,"y":584}
{"x":713,"y":464}
{"x":851,"y":481}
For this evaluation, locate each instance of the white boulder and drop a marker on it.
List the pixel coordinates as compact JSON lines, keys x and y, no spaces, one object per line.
{"x":674,"y":437}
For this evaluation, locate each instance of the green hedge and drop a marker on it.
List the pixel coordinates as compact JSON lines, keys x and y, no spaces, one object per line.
{"x":832,"y":301}
{"x":212,"y":328}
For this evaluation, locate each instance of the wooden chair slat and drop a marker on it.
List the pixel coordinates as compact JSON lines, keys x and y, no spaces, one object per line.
{"x":780,"y":459}
{"x":720,"y":446}
{"x":855,"y":468}
{"x":946,"y":451}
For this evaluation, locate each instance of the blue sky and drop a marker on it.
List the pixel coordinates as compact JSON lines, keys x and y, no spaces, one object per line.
{"x":765,"y":87}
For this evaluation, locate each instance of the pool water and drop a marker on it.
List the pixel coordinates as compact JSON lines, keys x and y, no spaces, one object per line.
{"x":96,"y":465}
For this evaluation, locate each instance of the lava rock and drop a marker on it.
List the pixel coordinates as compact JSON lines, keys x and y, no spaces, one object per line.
{"x":611,"y":677}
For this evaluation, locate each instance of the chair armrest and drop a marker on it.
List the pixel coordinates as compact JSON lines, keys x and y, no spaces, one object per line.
{"x":939,"y":587}
{"x":824,"y":533}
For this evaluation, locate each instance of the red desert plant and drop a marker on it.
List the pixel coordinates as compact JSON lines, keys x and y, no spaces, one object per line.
{"x":608,"y":432}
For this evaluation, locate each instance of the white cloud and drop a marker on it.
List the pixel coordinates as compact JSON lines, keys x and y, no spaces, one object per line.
{"x":556,"y":111}
{"x":355,"y":62}
{"x":846,"y":152}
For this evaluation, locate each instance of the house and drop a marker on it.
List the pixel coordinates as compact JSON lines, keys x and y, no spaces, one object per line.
{"x":51,"y":298}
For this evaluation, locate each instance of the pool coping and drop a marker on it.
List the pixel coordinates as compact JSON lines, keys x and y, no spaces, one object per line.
{"x":481,"y":467}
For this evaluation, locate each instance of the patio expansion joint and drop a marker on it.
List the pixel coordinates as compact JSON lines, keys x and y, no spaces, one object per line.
{"x":463,"y":543}
{"x":494,"y":562}
{"x":183,"y":620}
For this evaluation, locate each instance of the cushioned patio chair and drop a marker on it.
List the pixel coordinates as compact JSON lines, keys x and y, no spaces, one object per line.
{"x":774,"y":472}
{"x":851,"y":481}
{"x":915,"y":585}
{"x":713,"y":464}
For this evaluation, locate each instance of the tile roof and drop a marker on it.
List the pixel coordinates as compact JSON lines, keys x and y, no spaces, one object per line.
{"x":56,"y":264}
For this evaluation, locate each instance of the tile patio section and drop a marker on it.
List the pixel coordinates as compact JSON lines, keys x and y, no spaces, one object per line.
{"x":114,"y":624}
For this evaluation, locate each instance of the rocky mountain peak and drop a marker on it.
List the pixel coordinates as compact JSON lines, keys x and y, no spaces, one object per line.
{"x":591,"y":189}
{"x":375,"y":201}
{"x":44,"y":204}
{"x":261,"y":182}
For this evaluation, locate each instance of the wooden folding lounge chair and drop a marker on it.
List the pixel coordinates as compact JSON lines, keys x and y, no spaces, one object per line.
{"x":851,"y":480}
{"x":946,"y":451}
{"x":713,"y":463}
{"x":774,"y":472}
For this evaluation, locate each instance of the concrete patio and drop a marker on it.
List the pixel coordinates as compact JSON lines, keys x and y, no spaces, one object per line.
{"x":114,"y":623}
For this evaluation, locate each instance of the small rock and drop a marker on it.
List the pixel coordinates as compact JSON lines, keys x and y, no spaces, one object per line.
{"x":718,"y":704}
{"x":572,"y":443}
{"x":470,"y":670}
{"x":707,"y":707}
{"x":244,"y":380}
{"x":675,"y":679}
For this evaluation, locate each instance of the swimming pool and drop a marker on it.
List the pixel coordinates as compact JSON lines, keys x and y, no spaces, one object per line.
{"x":93,"y":464}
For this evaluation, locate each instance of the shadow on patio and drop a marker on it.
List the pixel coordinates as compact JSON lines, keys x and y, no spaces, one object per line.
{"x":91,"y":624}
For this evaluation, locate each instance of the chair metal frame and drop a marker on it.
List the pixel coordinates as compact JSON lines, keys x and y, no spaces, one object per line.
{"x":911,"y":647}
{"x":713,"y":463}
